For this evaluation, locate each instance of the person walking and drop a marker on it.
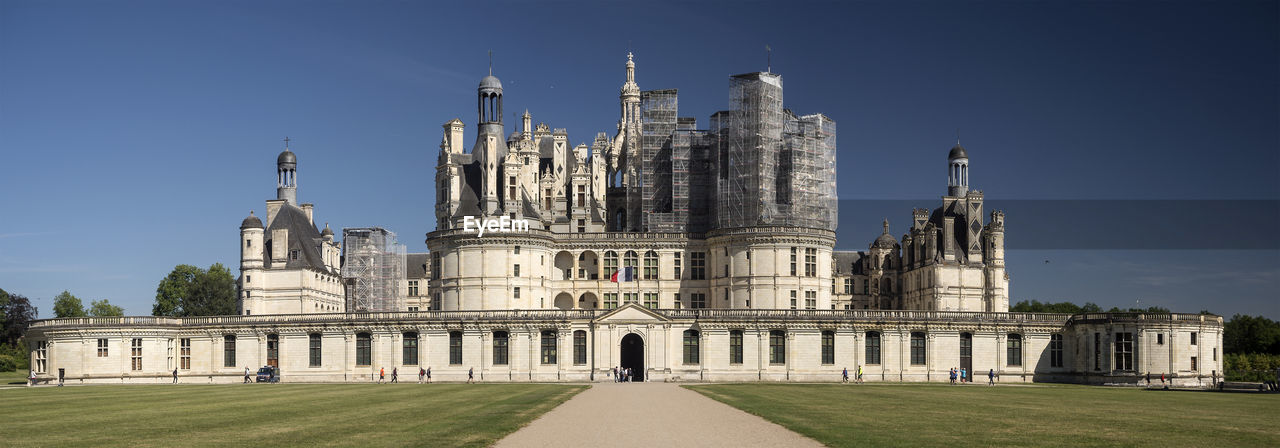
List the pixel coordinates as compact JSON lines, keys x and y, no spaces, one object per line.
{"x":421,"y":373}
{"x":395,"y":375}
{"x":844,"y":375}
{"x":471,"y":375}
{"x":428,"y":374}
{"x":615,"y":374}
{"x":991,"y":377}
{"x":952,"y":375}
{"x":859,"y":373}
{"x":964,"y":374}
{"x":382,"y":374}
{"x":32,"y":377}
{"x":246,"y":375}
{"x":175,"y":375}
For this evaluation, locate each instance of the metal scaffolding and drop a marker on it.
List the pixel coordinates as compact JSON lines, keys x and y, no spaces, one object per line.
{"x":806,"y":180}
{"x":658,"y":119}
{"x":373,"y":267}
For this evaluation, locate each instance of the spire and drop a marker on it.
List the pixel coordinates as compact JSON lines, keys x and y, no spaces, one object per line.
{"x":490,"y":62}
{"x":886,"y":226}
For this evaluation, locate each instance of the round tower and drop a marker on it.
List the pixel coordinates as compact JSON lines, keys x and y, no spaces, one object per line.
{"x":957,"y":171}
{"x":287,"y":176}
{"x":251,"y":241}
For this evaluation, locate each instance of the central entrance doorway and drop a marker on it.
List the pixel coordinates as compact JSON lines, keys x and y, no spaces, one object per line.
{"x":966,"y":355}
{"x":633,"y":355}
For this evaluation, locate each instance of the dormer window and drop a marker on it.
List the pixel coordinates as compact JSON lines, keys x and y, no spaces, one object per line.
{"x":293,"y":255}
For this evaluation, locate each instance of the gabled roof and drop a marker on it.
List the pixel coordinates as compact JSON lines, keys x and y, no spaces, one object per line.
{"x":632,"y":313}
{"x":303,"y":237}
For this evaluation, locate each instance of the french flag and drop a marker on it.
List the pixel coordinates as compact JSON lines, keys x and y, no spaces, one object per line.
{"x":627,"y":274}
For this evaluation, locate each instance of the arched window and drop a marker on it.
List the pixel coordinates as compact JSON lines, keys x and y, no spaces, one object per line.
{"x":777,"y":347}
{"x":548,"y":346}
{"x":1014,"y":344}
{"x":828,"y":347}
{"x":610,"y":263}
{"x":917,"y":349}
{"x":630,"y":260}
{"x":873,"y":347}
{"x":364,"y":350}
{"x":455,"y":348}
{"x":650,"y":265}
{"x":409,"y":349}
{"x":579,"y":347}
{"x":500,"y":348}
{"x":690,"y":347}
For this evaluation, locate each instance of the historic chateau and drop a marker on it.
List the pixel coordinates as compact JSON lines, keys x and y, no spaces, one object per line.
{"x":687,"y":253}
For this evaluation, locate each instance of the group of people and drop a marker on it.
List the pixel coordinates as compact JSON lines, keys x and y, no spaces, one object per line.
{"x":424,"y":375}
{"x":960,"y":375}
{"x":845,"y":375}
{"x":622,"y":374}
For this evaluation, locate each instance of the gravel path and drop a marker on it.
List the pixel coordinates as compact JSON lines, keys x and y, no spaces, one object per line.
{"x":649,"y":414}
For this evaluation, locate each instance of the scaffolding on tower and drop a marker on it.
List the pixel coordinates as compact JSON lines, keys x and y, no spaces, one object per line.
{"x":373,"y":267}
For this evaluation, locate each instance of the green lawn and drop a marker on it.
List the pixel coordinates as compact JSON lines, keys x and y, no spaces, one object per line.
{"x":19,"y":377}
{"x":1039,"y":415}
{"x":366,"y":415}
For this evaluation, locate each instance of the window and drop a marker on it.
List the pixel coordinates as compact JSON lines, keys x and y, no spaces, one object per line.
{"x":364,"y":349}
{"x":1124,"y":351}
{"x":610,"y":300}
{"x":184,"y":353}
{"x":546,"y":200}
{"x":435,"y":265}
{"x":698,"y":264}
{"x":811,"y":300}
{"x":777,"y":347}
{"x":630,"y":260}
{"x":1097,"y":351}
{"x":690,"y":347}
{"x":828,"y":347}
{"x":848,"y":286}
{"x":1055,"y":350}
{"x":1215,"y":353}
{"x":917,"y":349}
{"x":455,"y":348}
{"x":516,"y":292}
{"x":42,"y":356}
{"x":436,"y":302}
{"x":500,"y":343}
{"x":793,"y":299}
{"x":409,"y":349}
{"x":650,"y":265}
{"x":135,"y":354}
{"x":229,"y":350}
{"x":811,"y":262}
{"x":582,"y":226}
{"x":273,"y":350}
{"x":413,"y":309}
{"x":413,"y":287}
{"x":679,"y":260}
{"x":582,"y":196}
{"x":515,"y":270}
{"x":629,"y":297}
{"x":793,"y":261}
{"x":579,"y":347}
{"x":548,"y":346}
{"x":610,"y":263}
{"x":516,"y":250}
{"x":1193,"y":341}
{"x":314,"y":349}
{"x":511,"y":188}
{"x":866,"y":286}
{"x":873,"y":347}
{"x":1160,"y":339}
{"x":1013,"y":347}
{"x":735,"y":346}
{"x":697,"y":300}
{"x":1193,"y":363}
{"x":293,"y":255}
{"x":103,"y":348}
{"x":651,"y":300}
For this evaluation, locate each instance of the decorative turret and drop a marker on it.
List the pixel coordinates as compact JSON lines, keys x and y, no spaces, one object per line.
{"x":287,"y":175}
{"x":957,"y":171}
{"x":251,"y":233}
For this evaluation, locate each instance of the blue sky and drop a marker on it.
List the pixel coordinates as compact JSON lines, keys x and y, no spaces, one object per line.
{"x":135,"y":136}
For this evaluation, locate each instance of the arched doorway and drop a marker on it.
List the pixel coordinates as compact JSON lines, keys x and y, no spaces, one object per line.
{"x":563,"y":301}
{"x":633,"y":355}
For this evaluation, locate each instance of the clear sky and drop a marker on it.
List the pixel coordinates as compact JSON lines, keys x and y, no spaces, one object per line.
{"x":135,"y":136}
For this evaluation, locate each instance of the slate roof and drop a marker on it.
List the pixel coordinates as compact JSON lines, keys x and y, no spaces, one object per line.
{"x":415,"y":265}
{"x":303,"y":237}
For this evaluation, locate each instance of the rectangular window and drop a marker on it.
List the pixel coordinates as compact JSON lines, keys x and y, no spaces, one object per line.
{"x":917,"y":349}
{"x":735,"y":346}
{"x":364,"y":349}
{"x":1055,"y":350}
{"x":42,"y":357}
{"x":697,"y":300}
{"x":546,"y":200}
{"x":793,"y":261}
{"x":413,"y":288}
{"x":793,"y":299}
{"x":435,"y":265}
{"x":516,"y":250}
{"x":690,"y":347}
{"x":500,"y":343}
{"x":409,"y":351}
{"x":314,"y":350}
{"x":1193,"y":339}
{"x":629,"y":297}
{"x":1124,"y":351}
{"x":679,"y":261}
{"x":455,"y":348}
{"x":580,"y":347}
{"x":103,"y":348}
{"x":293,"y":255}
{"x":549,"y":347}
{"x":229,"y":350}
{"x":515,"y":271}
{"x":436,"y":302}
{"x":873,"y":348}
{"x":848,"y":286}
{"x":698,"y":266}
{"x":828,"y":347}
{"x":1097,"y":351}
{"x":516,"y":292}
{"x":811,"y":262}
{"x":1014,"y":350}
{"x":811,"y":300}
{"x":610,"y":300}
{"x":1193,"y":363}
{"x":413,"y":309}
{"x":582,"y":196}
{"x":651,"y":300}
{"x":650,"y":266}
{"x":184,"y":353}
{"x":777,"y":347}
{"x":1160,"y":339}
{"x":582,"y":226}
{"x":135,"y":354}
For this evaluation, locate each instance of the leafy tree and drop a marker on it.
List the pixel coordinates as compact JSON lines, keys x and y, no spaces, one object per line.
{"x":67,"y":305}
{"x":16,"y":314}
{"x":191,"y":291}
{"x":1090,"y":307}
{"x":102,"y":308}
{"x":1251,"y":334}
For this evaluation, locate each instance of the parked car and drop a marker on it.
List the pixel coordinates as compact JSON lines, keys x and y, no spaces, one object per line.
{"x":268,"y":374}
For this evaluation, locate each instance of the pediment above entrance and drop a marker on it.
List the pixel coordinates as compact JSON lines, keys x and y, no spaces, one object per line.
{"x":632,"y":313}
